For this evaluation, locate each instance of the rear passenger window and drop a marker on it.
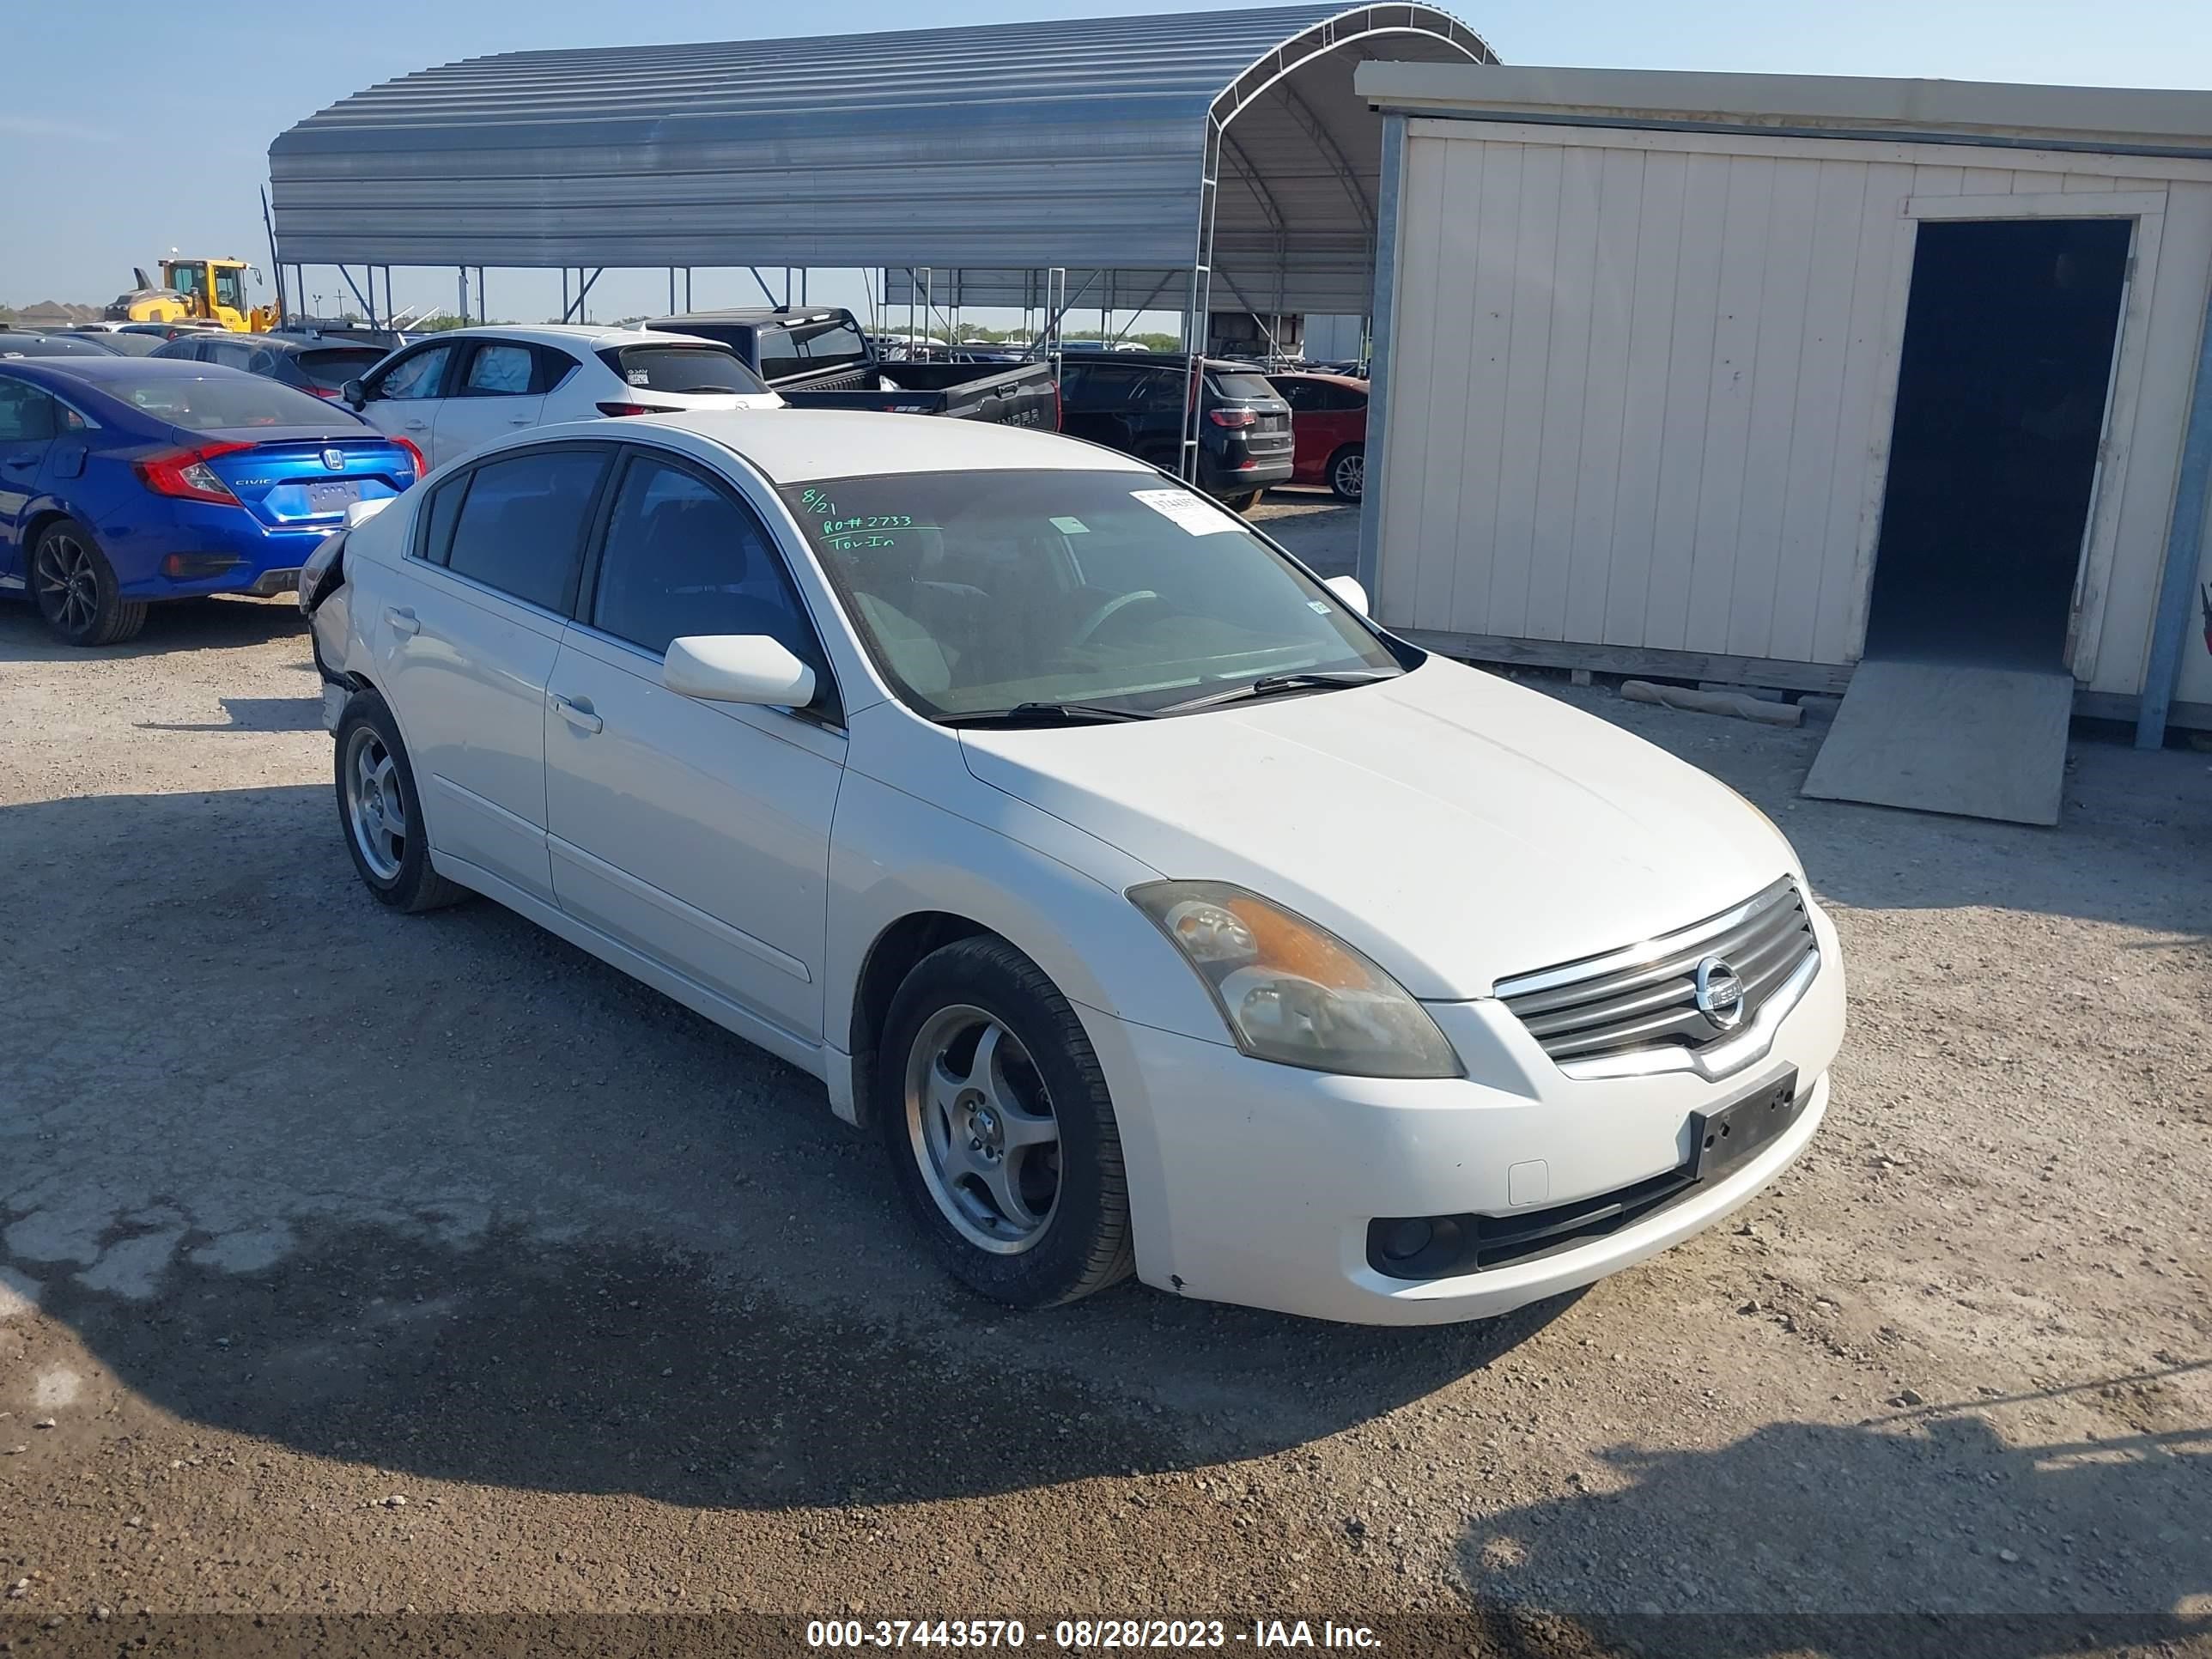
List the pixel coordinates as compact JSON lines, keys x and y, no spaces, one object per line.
{"x":498,"y":371}
{"x":438,"y":520}
{"x":520,"y":528}
{"x":682,"y":558}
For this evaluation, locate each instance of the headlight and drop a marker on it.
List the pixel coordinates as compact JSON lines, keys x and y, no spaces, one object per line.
{"x":1291,"y":992}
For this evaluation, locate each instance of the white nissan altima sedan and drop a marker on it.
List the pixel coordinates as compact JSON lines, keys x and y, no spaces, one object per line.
{"x":1158,"y":912}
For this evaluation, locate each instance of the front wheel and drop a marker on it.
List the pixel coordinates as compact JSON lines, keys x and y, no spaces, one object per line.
{"x":1000,"y":1132}
{"x":76,"y":588}
{"x":1348,"y":472}
{"x":380,"y":811}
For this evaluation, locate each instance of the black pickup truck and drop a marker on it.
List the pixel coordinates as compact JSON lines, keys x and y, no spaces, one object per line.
{"x":816,"y":357}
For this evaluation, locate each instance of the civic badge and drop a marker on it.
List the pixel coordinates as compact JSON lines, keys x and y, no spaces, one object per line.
{"x":1719,"y":994}
{"x":334,"y":459}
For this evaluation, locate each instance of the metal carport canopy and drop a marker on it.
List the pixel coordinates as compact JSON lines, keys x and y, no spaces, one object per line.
{"x":1083,"y":143}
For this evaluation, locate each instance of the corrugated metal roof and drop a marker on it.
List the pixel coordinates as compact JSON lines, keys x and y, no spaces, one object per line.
{"x":1071,"y":143}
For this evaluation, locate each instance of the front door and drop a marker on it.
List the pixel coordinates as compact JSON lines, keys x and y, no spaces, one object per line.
{"x":695,"y":833}
{"x":490,"y":399}
{"x":468,"y":634}
{"x":405,"y":397}
{"x":27,"y":435}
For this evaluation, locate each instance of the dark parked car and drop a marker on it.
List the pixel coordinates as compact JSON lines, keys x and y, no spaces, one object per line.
{"x":1135,"y":403}
{"x":312,"y":364}
{"x":818,"y":357}
{"x":1328,"y":416}
{"x":115,"y":340}
{"x":31,"y":342}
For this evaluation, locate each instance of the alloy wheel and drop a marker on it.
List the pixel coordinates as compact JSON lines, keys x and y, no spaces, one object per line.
{"x":981,"y":1126}
{"x":1350,"y":476}
{"x":67,"y":583}
{"x":376,"y":809}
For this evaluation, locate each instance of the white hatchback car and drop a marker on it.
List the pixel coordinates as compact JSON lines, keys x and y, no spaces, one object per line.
{"x":457,"y":392}
{"x":1157,"y":911}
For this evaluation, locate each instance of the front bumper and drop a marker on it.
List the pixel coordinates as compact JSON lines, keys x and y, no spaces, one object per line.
{"x":1256,"y":1183}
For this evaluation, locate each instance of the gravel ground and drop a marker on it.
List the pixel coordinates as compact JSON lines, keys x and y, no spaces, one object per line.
{"x":351,"y":1262}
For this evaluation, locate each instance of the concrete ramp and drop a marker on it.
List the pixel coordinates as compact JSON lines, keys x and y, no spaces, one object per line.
{"x":1982,"y":743}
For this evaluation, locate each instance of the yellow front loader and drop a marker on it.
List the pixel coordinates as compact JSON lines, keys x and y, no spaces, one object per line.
{"x":195,"y":290}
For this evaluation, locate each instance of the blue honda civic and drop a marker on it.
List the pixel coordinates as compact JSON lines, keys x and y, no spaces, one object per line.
{"x":126,"y":481}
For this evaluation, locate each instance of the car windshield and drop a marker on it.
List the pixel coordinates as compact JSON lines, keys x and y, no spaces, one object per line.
{"x":332,"y":367}
{"x":238,"y":400}
{"x":683,"y":368}
{"x":978,"y":593}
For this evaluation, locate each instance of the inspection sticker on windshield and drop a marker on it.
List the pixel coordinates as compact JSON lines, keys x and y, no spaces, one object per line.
{"x":1071,"y":526}
{"x":1198,"y":517}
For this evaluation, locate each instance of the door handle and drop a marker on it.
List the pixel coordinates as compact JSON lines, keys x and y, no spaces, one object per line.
{"x":418,"y":426}
{"x":577,"y":714}
{"x":518,"y":420}
{"x":403,"y":622}
{"x":19,"y":463}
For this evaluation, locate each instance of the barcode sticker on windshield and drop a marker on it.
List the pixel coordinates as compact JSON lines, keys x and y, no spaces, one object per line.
{"x":1196,"y":516}
{"x":639,"y":377}
{"x":1071,"y":526}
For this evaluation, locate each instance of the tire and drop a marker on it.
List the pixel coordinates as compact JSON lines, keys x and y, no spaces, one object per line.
{"x":1348,"y":472}
{"x":1043,"y":1103}
{"x":389,"y":847}
{"x":1243,"y":503}
{"x":76,"y":589}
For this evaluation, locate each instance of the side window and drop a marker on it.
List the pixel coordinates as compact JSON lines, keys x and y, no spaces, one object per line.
{"x":1300,"y":394}
{"x":418,"y":376}
{"x":1156,"y":392}
{"x":520,"y":528}
{"x":27,"y":414}
{"x":684,"y":558}
{"x":1342,"y":399}
{"x":435,"y":540}
{"x":229,"y":290}
{"x":779,"y":354}
{"x":552,"y":366}
{"x":498,"y":371}
{"x":263,"y":361}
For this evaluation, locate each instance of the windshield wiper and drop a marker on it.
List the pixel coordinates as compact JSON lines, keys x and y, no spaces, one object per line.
{"x":1270,"y":686}
{"x":1047,"y":714}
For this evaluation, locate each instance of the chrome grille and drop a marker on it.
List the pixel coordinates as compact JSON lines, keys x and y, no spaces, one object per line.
{"x":1588,"y":1015}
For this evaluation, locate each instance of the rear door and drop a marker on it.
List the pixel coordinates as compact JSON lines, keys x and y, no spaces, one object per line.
{"x":497,"y":391}
{"x":467,"y":642}
{"x":27,"y":421}
{"x":696,"y":833}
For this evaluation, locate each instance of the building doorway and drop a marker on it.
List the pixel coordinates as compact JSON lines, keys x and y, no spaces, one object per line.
{"x":2001,"y":399}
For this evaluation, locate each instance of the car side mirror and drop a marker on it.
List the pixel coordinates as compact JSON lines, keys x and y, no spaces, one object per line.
{"x":354,"y":393}
{"x":1347,"y":588}
{"x":749,"y":668}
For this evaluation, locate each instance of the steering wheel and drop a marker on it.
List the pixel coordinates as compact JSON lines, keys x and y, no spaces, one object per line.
{"x":1113,"y":608}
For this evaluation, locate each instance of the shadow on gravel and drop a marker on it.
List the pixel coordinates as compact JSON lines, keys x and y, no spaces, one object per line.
{"x":211,"y":624}
{"x":445,"y":1195}
{"x":1926,"y":1534}
{"x":582,"y":1367}
{"x":302,"y":712}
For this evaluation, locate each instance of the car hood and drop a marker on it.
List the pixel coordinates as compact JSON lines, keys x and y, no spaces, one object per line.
{"x":1459,"y":828}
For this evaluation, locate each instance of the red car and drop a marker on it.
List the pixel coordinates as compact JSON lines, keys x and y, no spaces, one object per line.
{"x":1328,"y":419}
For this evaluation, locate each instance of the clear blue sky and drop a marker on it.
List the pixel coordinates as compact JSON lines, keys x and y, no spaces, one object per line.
{"x":128,"y":127}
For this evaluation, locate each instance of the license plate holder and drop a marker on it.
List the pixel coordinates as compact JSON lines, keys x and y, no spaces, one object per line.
{"x":334,"y":496}
{"x":1723,"y":1141}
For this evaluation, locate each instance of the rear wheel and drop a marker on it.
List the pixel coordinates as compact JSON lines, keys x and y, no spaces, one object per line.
{"x":382,"y":813}
{"x":1243,"y":502}
{"x":1348,"y":472}
{"x":1000,"y":1131}
{"x":75,"y":587}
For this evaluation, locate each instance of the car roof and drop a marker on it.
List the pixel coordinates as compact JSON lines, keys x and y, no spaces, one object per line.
{"x":796,"y":445}
{"x":675,"y":320}
{"x":591,"y":335}
{"x":108,"y":367}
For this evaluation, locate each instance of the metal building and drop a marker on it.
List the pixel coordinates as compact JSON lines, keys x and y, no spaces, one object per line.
{"x":1137,"y":150}
{"x":1809,"y":382}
